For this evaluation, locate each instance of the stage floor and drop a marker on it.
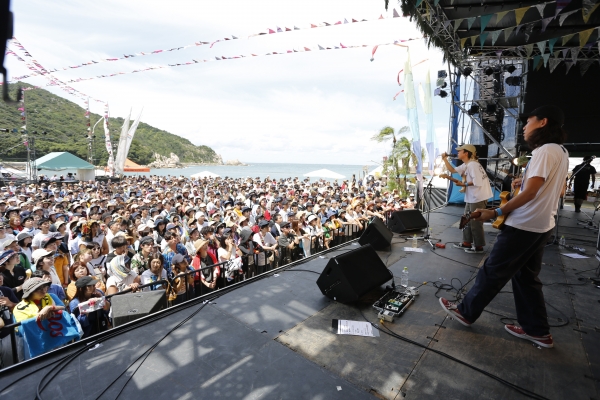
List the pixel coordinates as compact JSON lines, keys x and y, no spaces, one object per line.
{"x":272,"y":338}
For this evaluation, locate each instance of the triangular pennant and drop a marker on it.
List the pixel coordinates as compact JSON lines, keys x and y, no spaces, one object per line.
{"x":536,"y":61}
{"x":557,"y":53}
{"x":507,"y":32}
{"x":500,"y":15}
{"x":584,"y":66}
{"x":564,"y":53}
{"x":296,"y":28}
{"x":519,"y":13}
{"x":568,"y":64}
{"x":574,"y":54}
{"x":564,"y":16}
{"x":584,"y":36}
{"x":587,"y":8}
{"x":418,"y":3}
{"x":566,"y":38}
{"x":482,"y":38}
{"x":553,"y":64}
{"x":462,"y":42}
{"x":485,"y":19}
{"x":446,"y":23}
{"x":518,"y":28}
{"x":560,"y":4}
{"x":545,"y":23}
{"x":457,"y":23}
{"x":470,"y":22}
{"x":320,"y":47}
{"x":542,"y":46}
{"x":381,"y":16}
{"x":529,"y":49}
{"x":495,"y":35}
{"x":546,"y":57}
{"x":528,"y":31}
{"x":473,"y":40}
{"x":540,"y":8}
{"x":346,"y":21}
{"x":551,"y":43}
{"x":395,"y":14}
{"x":435,"y":2}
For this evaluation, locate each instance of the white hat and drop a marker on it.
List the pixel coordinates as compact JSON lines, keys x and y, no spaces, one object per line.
{"x":39,"y":254}
{"x":311,"y":217}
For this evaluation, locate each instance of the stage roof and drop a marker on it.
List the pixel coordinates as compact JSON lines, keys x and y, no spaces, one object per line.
{"x":58,"y":161}
{"x":548,"y":32}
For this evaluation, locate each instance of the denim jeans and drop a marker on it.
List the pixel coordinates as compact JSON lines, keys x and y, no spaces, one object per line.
{"x":517,"y":256}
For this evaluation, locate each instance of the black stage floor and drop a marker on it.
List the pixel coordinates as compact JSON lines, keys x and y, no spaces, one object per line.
{"x":272,"y":339}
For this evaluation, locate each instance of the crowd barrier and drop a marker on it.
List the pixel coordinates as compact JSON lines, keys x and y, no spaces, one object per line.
{"x":318,"y":243}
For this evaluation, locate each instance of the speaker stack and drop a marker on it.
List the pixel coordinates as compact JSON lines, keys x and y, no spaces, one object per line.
{"x":377,"y":235}
{"x":132,"y":306}
{"x":406,"y":220}
{"x":349,"y":276}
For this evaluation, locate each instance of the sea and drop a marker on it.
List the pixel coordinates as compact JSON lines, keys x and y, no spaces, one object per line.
{"x":251,"y":170}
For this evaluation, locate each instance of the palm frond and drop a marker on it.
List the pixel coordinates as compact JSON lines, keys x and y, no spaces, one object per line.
{"x":384,"y":134}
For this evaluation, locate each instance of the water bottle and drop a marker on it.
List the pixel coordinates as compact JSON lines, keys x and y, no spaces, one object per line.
{"x":562,"y":243}
{"x":415,"y":243}
{"x":404,"y":277}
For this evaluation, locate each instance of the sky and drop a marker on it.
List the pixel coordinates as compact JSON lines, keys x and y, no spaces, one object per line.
{"x":304,"y":107}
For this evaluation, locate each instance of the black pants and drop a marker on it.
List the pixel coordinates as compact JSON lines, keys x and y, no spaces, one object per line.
{"x":517,"y":256}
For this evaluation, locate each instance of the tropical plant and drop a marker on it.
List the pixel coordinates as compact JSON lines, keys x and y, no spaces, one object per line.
{"x":400,"y":159}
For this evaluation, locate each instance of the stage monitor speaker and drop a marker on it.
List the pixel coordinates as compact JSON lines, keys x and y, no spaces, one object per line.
{"x":377,"y":235}
{"x":349,"y":276}
{"x":132,"y":306}
{"x":406,"y":220}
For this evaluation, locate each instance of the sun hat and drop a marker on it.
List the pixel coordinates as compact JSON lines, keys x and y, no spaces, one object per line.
{"x":86,"y":281}
{"x":33,"y":284}
{"x":5,"y":255}
{"x":198,"y":244}
{"x":39,"y":254}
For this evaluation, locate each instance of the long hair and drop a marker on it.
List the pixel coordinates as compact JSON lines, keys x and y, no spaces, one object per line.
{"x":551,"y":133}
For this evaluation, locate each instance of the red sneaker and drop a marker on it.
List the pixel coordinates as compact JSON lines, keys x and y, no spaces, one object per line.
{"x":544,"y":341}
{"x":452,"y":311}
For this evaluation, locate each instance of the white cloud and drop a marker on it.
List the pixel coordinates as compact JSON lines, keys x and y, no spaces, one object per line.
{"x":318,"y":106}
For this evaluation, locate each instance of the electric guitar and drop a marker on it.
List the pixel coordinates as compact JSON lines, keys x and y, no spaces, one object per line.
{"x":446,"y":176}
{"x":464,"y":220}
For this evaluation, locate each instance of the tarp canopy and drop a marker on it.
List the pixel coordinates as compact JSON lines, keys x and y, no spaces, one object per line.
{"x":58,"y":161}
{"x":324,"y":173}
{"x":204,"y":174}
{"x":130,"y":166}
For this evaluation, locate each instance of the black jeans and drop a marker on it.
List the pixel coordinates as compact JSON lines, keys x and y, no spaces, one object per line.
{"x":517,"y":255}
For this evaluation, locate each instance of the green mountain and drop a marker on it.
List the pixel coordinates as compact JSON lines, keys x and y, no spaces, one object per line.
{"x":66,"y":127}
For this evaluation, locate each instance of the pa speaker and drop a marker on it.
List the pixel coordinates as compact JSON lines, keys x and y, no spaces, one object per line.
{"x":349,"y":276}
{"x":406,"y":220}
{"x":377,"y":235}
{"x":132,"y":306}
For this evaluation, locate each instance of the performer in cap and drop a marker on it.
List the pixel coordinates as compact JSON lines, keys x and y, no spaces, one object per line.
{"x":477,"y":192}
{"x":519,"y":248}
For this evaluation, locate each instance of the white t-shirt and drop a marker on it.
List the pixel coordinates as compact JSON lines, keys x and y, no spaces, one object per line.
{"x":551,"y":162}
{"x":268,"y":241}
{"x":112,"y":281}
{"x":36,"y":242}
{"x":477,"y":177}
{"x":149,"y":277}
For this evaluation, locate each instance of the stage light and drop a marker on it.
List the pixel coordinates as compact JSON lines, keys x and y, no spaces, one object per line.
{"x":444,"y":84}
{"x":510,"y":68}
{"x":473,"y":110}
{"x":439,"y":82}
{"x":488,"y":71}
{"x":442,"y":74}
{"x":513,"y":81}
{"x":443,"y":93}
{"x":467,"y":71}
{"x":490,"y":108}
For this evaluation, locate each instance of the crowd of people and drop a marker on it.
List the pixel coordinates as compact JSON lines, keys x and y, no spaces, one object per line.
{"x":65,"y":245}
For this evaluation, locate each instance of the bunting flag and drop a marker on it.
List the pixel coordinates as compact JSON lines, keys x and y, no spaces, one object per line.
{"x":563,"y":17}
{"x":411,"y":111}
{"x":566,"y":38}
{"x":495,"y":35}
{"x":500,"y":15}
{"x":122,"y":147}
{"x":110,"y":165}
{"x":540,"y":8}
{"x":536,"y":61}
{"x":584,"y":36}
{"x":485,"y":19}
{"x":508,"y":31}
{"x":542,"y":46}
{"x":553,"y":64}
{"x":470,"y":22}
{"x":430,"y":142}
{"x":546,"y":57}
{"x":56,"y":82}
{"x":457,"y":24}
{"x":520,"y":13}
{"x":529,"y":49}
{"x":584,"y":66}
{"x":551,"y":43}
{"x":560,"y":4}
{"x":574,"y":54}
{"x":587,"y":8}
{"x":568,"y":64}
{"x":546,"y":22}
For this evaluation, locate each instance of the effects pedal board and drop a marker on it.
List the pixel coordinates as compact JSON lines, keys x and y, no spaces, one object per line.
{"x":395,"y":302}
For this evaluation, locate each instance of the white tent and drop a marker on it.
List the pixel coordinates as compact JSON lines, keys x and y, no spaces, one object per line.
{"x":204,"y":174}
{"x":324,"y":173}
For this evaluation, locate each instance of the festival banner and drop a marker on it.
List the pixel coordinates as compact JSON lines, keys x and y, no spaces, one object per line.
{"x":122,"y":147}
{"x":413,"y":119}
{"x":110,"y":167}
{"x":432,"y":149}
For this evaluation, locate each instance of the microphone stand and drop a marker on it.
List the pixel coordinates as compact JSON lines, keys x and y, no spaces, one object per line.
{"x":427,"y":200}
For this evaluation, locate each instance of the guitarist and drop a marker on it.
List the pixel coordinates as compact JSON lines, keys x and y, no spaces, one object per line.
{"x":477,"y":192}
{"x":519,"y":248}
